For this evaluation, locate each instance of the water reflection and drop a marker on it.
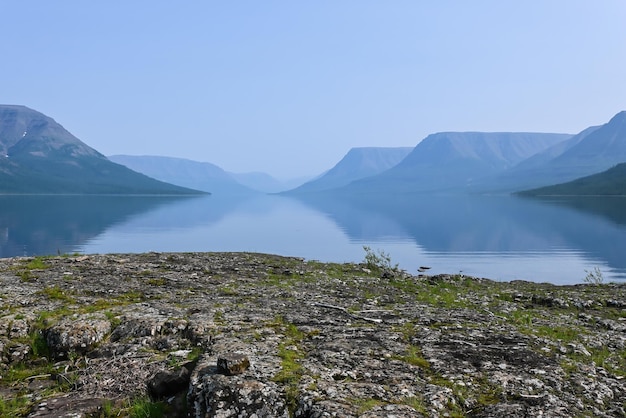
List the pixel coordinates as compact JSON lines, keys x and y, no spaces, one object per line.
{"x":498,"y":237}
{"x":42,"y":225}
{"x":612,"y":208}
{"x":492,"y":226}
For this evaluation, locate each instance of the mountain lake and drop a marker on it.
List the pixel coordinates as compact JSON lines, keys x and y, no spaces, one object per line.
{"x":556,"y":240}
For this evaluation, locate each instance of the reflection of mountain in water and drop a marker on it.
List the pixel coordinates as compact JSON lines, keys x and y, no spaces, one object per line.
{"x":58,"y":224}
{"x":359,"y":222}
{"x":612,"y":208}
{"x":188,"y":213}
{"x":482,"y":224}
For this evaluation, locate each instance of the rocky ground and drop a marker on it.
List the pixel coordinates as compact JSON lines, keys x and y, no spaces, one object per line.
{"x":252,"y":335}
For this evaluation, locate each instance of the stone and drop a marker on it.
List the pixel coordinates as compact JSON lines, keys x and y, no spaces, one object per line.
{"x":232,"y":364}
{"x":168,"y":383}
{"x":216,"y":395}
{"x":76,"y":335}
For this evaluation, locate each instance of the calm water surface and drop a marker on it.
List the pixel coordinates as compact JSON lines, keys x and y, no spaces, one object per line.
{"x":503,"y":238}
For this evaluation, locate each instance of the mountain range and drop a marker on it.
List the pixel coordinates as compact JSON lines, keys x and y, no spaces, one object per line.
{"x":265,"y":183}
{"x":204,"y":176}
{"x":358,"y":163}
{"x":479,"y":163}
{"x":182,"y":172}
{"x":455,"y":161}
{"x":593,"y":150}
{"x":38,"y":155}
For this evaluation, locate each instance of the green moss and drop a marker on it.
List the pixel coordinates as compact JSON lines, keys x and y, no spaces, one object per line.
{"x":19,"y":372}
{"x":290,"y":353}
{"x":522,"y":317}
{"x":37,"y":264}
{"x":417,"y":403}
{"x":564,"y":334}
{"x":26,"y":276}
{"x":15,"y":406}
{"x":25,"y":270}
{"x":132,"y":296}
{"x":113,"y":318}
{"x":613,"y":361}
{"x":218,"y":317}
{"x":365,"y":405}
{"x":161,"y":281}
{"x":58,"y":293}
{"x":228,"y":290}
{"x":413,"y":356}
{"x":38,"y":345}
{"x":100,"y":305}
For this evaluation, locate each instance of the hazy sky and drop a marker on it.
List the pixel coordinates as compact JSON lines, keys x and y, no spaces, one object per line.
{"x":288,"y":87}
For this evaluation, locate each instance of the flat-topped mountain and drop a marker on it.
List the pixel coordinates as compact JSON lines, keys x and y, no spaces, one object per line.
{"x":38,"y":155}
{"x":593,"y":150}
{"x":358,"y":163}
{"x":456,"y":160}
{"x":182,"y":172}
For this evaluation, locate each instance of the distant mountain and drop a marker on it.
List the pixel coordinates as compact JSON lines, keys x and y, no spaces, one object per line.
{"x":611,"y":182}
{"x":593,"y":150}
{"x":449,"y":161}
{"x":267,"y":184}
{"x":182,"y":172}
{"x":358,"y":163}
{"x":37,"y":155}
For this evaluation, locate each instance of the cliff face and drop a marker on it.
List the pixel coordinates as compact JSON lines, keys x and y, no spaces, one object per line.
{"x":226,"y":334}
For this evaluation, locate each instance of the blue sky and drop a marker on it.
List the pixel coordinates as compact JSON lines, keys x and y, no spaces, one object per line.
{"x":289,"y":87}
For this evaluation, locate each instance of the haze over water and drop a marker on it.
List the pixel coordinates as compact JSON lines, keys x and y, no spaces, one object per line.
{"x":502,"y":238}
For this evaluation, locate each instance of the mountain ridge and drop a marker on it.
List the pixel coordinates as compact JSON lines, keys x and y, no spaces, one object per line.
{"x":591,"y":151}
{"x":357,"y":163}
{"x":38,"y":155}
{"x":197,"y":175}
{"x":449,"y":161}
{"x":611,"y":182}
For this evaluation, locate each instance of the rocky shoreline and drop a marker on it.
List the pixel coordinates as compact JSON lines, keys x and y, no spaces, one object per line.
{"x":255,"y":335}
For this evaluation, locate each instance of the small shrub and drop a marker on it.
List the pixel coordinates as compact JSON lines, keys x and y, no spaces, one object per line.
{"x":144,"y":408}
{"x":107,"y":410}
{"x":378,"y":260}
{"x":594,"y":277}
{"x":39,"y":345}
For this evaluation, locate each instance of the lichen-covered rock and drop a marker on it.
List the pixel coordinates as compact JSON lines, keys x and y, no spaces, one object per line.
{"x":76,"y":335}
{"x":216,"y":395}
{"x":231,"y":364}
{"x":19,"y":328}
{"x":144,"y":323}
{"x":18,"y":352}
{"x":248,"y":394}
{"x":322,"y":340}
